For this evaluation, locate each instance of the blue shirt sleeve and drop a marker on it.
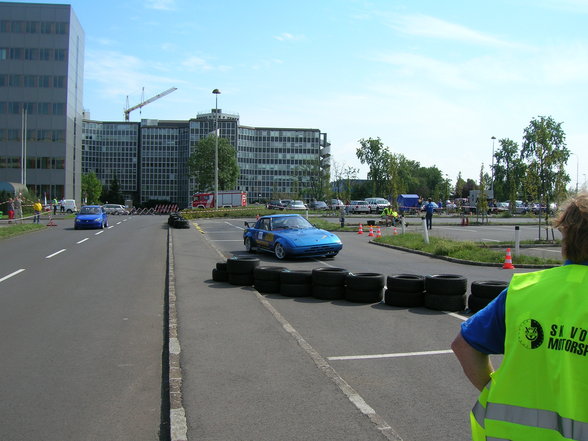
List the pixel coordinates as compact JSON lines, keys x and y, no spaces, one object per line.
{"x":485,"y":331}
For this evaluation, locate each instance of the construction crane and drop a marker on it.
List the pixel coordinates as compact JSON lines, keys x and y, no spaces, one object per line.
{"x":128,"y":110}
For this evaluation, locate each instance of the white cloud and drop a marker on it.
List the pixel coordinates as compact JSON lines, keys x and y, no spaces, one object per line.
{"x":285,"y":36}
{"x":164,"y":5}
{"x":427,"y":26}
{"x":195,"y":63}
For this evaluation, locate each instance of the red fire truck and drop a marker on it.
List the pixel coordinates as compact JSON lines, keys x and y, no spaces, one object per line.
{"x":226,"y":199}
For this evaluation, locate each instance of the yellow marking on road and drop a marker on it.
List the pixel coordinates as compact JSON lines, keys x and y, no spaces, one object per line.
{"x":198,"y":227}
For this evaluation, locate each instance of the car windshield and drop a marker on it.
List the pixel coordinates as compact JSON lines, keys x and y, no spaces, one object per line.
{"x":292,"y":222}
{"x":90,"y":210}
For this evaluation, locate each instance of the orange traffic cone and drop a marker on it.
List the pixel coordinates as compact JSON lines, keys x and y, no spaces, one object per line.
{"x":395,"y":232}
{"x":371,"y":233}
{"x":378,"y":233}
{"x":508,"y":261}
{"x":360,"y":231}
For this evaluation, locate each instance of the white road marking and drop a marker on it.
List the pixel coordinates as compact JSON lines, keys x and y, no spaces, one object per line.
{"x":234,"y":226}
{"x":124,"y":220}
{"x":228,"y":240}
{"x":12,"y":274}
{"x":112,"y":226}
{"x":54,"y":254}
{"x":543,"y":249}
{"x":99,"y":232}
{"x":396,"y":355}
{"x":489,"y":240}
{"x":118,"y":223}
{"x":83,"y":240}
{"x":458,"y":316}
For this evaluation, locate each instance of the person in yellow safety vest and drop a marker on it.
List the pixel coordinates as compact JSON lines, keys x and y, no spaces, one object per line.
{"x":540,"y":324}
{"x":390,"y":216}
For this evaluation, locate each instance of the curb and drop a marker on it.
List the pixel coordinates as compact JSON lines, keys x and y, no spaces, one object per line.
{"x":464,"y":262}
{"x":178,"y":426}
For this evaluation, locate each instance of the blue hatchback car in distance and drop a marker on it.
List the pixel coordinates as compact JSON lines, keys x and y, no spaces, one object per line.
{"x":91,"y":216}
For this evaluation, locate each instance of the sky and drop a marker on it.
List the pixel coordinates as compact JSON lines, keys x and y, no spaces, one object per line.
{"x":434,"y":80}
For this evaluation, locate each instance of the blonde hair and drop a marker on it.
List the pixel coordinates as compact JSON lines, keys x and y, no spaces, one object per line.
{"x":573,"y":224}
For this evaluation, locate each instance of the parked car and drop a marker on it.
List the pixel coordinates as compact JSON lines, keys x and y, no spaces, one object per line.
{"x":318,"y":205}
{"x":91,"y":216}
{"x":377,"y":205}
{"x":290,"y":235}
{"x":358,"y":207}
{"x":115,"y":209}
{"x":336,"y":204}
{"x":276,"y":205}
{"x":296,"y":205}
{"x":68,"y":205}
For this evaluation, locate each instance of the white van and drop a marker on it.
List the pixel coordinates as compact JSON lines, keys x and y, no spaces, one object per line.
{"x":68,"y":205}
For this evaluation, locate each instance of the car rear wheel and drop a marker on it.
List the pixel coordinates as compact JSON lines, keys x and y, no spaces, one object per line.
{"x":248,"y":245}
{"x":279,"y":251}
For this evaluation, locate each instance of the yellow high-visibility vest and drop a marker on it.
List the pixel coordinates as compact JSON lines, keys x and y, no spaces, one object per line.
{"x":540,"y":391}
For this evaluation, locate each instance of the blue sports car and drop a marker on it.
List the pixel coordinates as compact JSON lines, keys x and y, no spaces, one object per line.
{"x":290,"y":235}
{"x":91,"y":216}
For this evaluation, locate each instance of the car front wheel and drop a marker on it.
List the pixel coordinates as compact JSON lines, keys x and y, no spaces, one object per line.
{"x":279,"y":251}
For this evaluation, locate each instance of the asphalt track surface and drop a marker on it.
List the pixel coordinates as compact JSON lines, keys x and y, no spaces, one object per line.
{"x":268,"y":367}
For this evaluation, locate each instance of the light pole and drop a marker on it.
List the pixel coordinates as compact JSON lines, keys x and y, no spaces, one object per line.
{"x":492,"y":183}
{"x":216,"y":134}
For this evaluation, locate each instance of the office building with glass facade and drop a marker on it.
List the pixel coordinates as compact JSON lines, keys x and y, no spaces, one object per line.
{"x":273,"y":162}
{"x":41,"y":92}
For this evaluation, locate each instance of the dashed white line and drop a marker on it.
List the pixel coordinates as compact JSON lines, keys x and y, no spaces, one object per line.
{"x":83,"y":240}
{"x":396,"y":355}
{"x":12,"y":274}
{"x":118,"y":223}
{"x":112,"y":226}
{"x":54,"y":254}
{"x":99,"y":232}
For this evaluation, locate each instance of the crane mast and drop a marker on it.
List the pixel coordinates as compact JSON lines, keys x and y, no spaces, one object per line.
{"x":128,"y":110}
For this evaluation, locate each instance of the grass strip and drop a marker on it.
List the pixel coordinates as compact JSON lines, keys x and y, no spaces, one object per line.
{"x":18,"y":229}
{"x":459,"y":250}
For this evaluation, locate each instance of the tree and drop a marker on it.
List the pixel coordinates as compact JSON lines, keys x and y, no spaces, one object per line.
{"x":113,"y":193}
{"x":545,"y":150}
{"x":314,"y":180}
{"x":460,"y":185}
{"x":201,"y":164}
{"x":509,"y":171}
{"x":91,"y":188}
{"x":373,"y":153}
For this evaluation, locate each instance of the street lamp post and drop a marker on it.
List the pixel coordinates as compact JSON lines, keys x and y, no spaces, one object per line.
{"x":492,"y":183}
{"x":216,"y":135}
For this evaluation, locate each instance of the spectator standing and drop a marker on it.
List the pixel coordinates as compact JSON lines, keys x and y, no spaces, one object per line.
{"x":54,"y":206}
{"x":10,"y":209}
{"x":538,"y":322}
{"x":17,"y":209}
{"x":37,"y":208}
{"x":429,"y":210}
{"x":61,"y":206}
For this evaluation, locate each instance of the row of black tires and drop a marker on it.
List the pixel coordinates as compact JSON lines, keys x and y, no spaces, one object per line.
{"x":442,"y":292}
{"x":176,"y":220}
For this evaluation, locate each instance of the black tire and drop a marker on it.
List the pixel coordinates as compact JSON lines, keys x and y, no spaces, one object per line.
{"x":476,"y":303}
{"x":296,"y":289}
{"x":220,"y":276}
{"x":488,"y":289}
{"x":365,"y":281}
{"x":363,"y":296}
{"x":327,"y":276}
{"x":241,"y":279}
{"x":267,"y":286}
{"x":404,"y":299}
{"x":323,"y":292}
{"x":446,"y":284}
{"x":221,"y":266}
{"x":445,"y":302}
{"x":248,"y":245}
{"x":411,"y":283}
{"x":242,"y":265}
{"x":296,"y":277}
{"x":271,"y":273}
